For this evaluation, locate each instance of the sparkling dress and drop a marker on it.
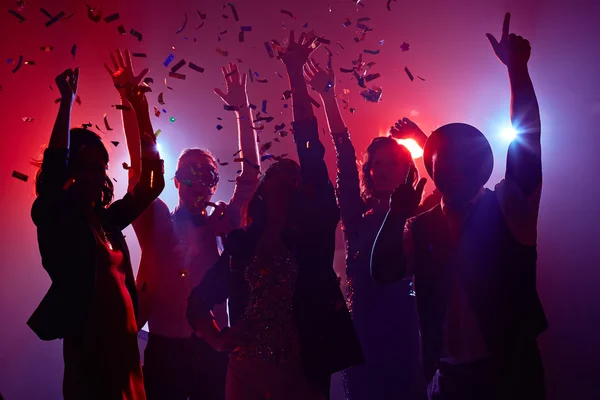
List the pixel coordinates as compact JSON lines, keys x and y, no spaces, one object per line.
{"x":267,"y":364}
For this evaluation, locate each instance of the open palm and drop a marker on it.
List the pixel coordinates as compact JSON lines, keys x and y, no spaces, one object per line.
{"x":320,"y":80}
{"x":236,"y":95}
{"x":122,"y":74}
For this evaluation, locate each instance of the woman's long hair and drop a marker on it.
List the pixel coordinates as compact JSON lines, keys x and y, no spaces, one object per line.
{"x":366,"y":181}
{"x":80,"y":138}
{"x":256,"y":211}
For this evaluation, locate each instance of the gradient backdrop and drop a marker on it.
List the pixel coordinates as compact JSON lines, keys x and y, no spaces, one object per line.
{"x":464,"y":82}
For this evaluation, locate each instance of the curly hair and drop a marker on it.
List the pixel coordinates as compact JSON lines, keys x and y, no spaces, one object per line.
{"x":366,"y":181}
{"x":80,"y":138}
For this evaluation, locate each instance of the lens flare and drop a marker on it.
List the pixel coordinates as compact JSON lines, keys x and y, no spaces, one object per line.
{"x":415,"y":150}
{"x":509,"y":133}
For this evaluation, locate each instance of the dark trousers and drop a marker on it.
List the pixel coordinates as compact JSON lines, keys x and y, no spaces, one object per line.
{"x":481,"y":380}
{"x":178,"y":369}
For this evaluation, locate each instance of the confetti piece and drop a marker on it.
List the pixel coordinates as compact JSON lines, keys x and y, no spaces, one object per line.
{"x":27,"y":119}
{"x":279,"y":127}
{"x":46,"y":13}
{"x":225,"y":16}
{"x":363,"y":19}
{"x":389,"y":2}
{"x":221,"y":163}
{"x":252,"y":106}
{"x":374,"y":52}
{"x":167,"y":86}
{"x":156,"y":111}
{"x":157,"y":133}
{"x":269,"y":50}
{"x":169,"y":59}
{"x":55,"y":19}
{"x":227,"y":107}
{"x":140,"y":55}
{"x":94,"y":14}
{"x":238,"y":159}
{"x":282,"y":133}
{"x":148,"y":80}
{"x":121,"y":29}
{"x":234,"y":12}
{"x":114,"y":142}
{"x":86,"y":126}
{"x":241,"y":37}
{"x":172,"y":119}
{"x":381,"y":42}
{"x":372,"y":95}
{"x":46,"y":48}
{"x":185,"y":21}
{"x":137,"y":34}
{"x":410,"y":76}
{"x":78,"y":100}
{"x":177,"y":66}
{"x":122,"y":107}
{"x":30,"y":63}
{"x":20,"y":176}
{"x":98,"y":128}
{"x":314,"y":102}
{"x":371,"y":77}
{"x":108,"y":128}
{"x":224,"y":32}
{"x":73,"y":50}
{"x":364,"y":28}
{"x":286,"y":12}
{"x":265,"y":147}
{"x":352,"y":110}
{"x":18,"y":64}
{"x":264,"y":106}
{"x":404,"y":46}
{"x":323,"y":40}
{"x":222,"y":52}
{"x":161,"y":100}
{"x":195,"y":67}
{"x":262,"y":80}
{"x":246,"y":29}
{"x":17,"y":15}
{"x":346,"y":70}
{"x":420,"y":78}
{"x":266,"y":157}
{"x":111,"y":18}
{"x":219,"y":127}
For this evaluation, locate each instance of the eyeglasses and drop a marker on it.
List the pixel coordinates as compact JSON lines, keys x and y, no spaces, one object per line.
{"x":198,"y":174}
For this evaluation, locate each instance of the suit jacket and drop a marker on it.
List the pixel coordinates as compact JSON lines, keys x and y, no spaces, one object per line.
{"x":67,"y":242}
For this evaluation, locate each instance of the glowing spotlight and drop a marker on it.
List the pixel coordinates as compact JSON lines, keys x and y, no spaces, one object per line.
{"x":415,"y":150}
{"x":509,"y":133}
{"x":158,"y":147}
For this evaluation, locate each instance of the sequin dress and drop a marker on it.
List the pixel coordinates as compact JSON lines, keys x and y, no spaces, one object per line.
{"x":272,"y":335}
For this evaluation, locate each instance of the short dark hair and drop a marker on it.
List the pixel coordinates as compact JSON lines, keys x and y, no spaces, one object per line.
{"x":366,"y":182}
{"x":78,"y":139}
{"x":195,"y":151}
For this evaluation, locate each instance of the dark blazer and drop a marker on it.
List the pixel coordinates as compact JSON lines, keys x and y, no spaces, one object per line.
{"x":67,"y":242}
{"x":328,"y":339}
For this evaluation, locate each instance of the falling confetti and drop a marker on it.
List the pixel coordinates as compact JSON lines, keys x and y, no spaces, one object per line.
{"x":234,"y":12}
{"x":108,"y":128}
{"x":122,"y":107}
{"x":94,"y":14}
{"x":18,"y":64}
{"x":20,"y":176}
{"x":404,"y":46}
{"x":185,"y":21}
{"x":374,"y":52}
{"x":177,"y":66}
{"x":121,"y":29}
{"x":172,"y":119}
{"x":389,"y":2}
{"x":410,"y":76}
{"x":264,"y":106}
{"x":420,"y":78}
{"x":139,"y":55}
{"x":161,"y":100}
{"x":222,"y":52}
{"x":269,"y":49}
{"x":115,"y":143}
{"x":17,"y":15}
{"x":46,"y":48}
{"x":219,"y":127}
{"x":27,"y":119}
{"x":286,"y":12}
{"x":195,"y":67}
{"x":372,"y":95}
{"x":55,"y":19}
{"x":111,"y":18}
{"x":137,"y":34}
{"x":73,"y":50}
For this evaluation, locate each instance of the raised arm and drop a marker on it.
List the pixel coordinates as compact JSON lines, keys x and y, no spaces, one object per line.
{"x":388,"y":259}
{"x":348,"y":184}
{"x":122,"y":74}
{"x":524,"y":160}
{"x":67,"y":85}
{"x":151,"y":181}
{"x":236,"y":99}
{"x":406,"y":129}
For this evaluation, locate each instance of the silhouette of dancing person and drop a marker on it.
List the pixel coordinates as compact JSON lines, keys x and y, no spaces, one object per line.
{"x":385,"y":317}
{"x":474,"y":256}
{"x":179,"y":247}
{"x":92,"y":302}
{"x":290,"y":327}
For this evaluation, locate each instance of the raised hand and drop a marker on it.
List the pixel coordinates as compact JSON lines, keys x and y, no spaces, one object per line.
{"x":297,"y":53}
{"x":122,"y":73}
{"x":236,"y":95}
{"x":135,"y":95}
{"x":406,"y":198}
{"x":322,"y":81}
{"x":67,"y":84}
{"x":512,"y":50}
{"x":406,"y":129}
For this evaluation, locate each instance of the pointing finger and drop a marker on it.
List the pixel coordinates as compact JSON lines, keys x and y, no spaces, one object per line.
{"x":506,"y":26}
